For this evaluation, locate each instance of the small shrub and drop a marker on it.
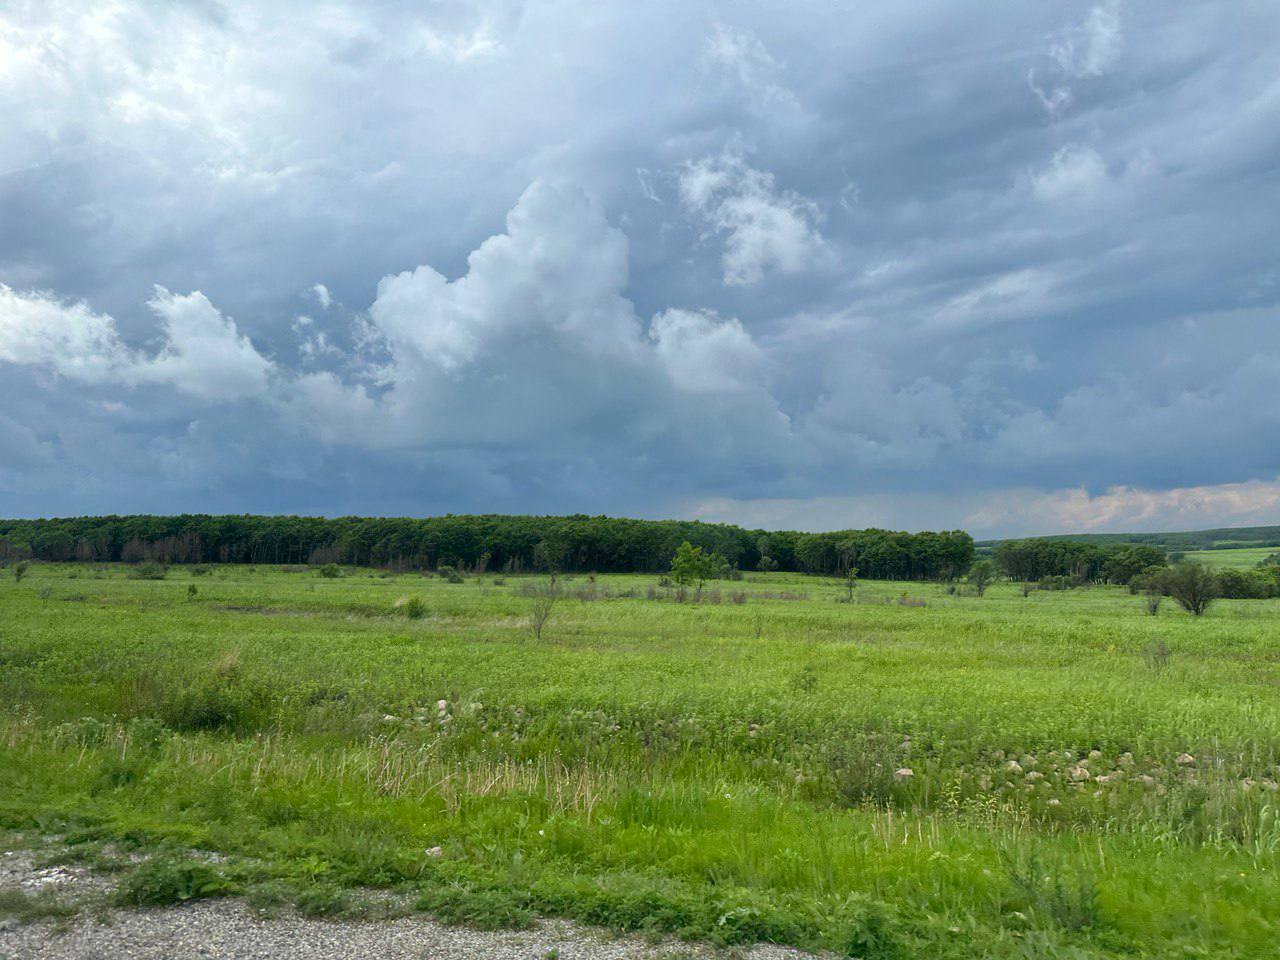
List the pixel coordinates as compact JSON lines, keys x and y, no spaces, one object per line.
{"x":169,"y":879}
{"x":450,"y":574}
{"x":540,"y":612}
{"x":149,"y":571}
{"x":202,"y":706}
{"x":867,"y":928}
{"x":414,"y":608}
{"x":330,"y":571}
{"x":20,"y":570}
{"x":192,"y":591}
{"x":212,"y":701}
{"x":1058,"y":583}
{"x":980,"y":575}
{"x":482,"y":909}
{"x":322,"y":900}
{"x":199,"y":570}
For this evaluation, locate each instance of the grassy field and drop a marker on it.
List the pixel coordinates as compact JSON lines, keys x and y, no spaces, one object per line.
{"x":916,"y":774}
{"x":1239,"y":558}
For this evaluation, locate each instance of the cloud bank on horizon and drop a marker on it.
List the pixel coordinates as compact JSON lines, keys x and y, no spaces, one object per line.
{"x":943,"y":265}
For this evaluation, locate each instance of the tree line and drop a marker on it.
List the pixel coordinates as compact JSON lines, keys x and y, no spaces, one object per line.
{"x":1084,"y":562}
{"x":1057,"y":563}
{"x":481,"y":542}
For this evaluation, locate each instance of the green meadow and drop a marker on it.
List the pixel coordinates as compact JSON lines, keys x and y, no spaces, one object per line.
{"x":1236,"y":558}
{"x":920,"y":772}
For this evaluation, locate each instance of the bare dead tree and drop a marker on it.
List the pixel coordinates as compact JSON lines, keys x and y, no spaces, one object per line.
{"x":540,"y":613}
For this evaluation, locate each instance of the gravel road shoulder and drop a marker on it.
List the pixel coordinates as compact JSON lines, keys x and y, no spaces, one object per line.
{"x":229,"y":929}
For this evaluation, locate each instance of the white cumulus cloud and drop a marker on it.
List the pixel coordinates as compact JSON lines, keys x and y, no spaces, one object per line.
{"x":202,"y":353}
{"x":764,"y":228}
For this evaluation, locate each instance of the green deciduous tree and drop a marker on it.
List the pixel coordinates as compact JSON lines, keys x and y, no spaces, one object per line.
{"x":980,"y":574}
{"x":693,"y":567}
{"x":1192,"y":587}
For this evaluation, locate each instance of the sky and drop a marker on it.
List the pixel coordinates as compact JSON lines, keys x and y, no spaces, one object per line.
{"x":1006,"y":267}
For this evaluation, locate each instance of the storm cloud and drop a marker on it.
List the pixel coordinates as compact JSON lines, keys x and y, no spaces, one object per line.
{"x":1011,"y":268}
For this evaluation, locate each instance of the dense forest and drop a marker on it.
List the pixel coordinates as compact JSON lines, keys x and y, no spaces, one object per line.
{"x":492,"y":542}
{"x":1041,"y":557}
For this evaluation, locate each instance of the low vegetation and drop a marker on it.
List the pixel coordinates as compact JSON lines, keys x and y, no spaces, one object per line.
{"x":921,"y":772}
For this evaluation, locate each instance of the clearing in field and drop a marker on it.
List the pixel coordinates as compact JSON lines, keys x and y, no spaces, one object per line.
{"x":919,"y":772}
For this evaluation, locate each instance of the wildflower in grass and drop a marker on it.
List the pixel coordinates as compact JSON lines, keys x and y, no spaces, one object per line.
{"x":903,"y":773}
{"x":1035,"y":775}
{"x":1013,"y":766}
{"x":1079,"y":774}
{"x":1055,"y":802}
{"x":435,"y":852}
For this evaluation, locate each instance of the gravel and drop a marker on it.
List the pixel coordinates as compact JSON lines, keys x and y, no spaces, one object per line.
{"x":229,"y":929}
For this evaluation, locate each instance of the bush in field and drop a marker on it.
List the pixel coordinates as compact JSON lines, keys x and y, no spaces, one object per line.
{"x":1150,"y":583}
{"x":414,"y":608}
{"x":850,"y":583}
{"x":205,"y":705}
{"x":1257,"y":584}
{"x":214,"y":700}
{"x":450,"y":574}
{"x":1058,"y":583}
{"x":330,"y":571}
{"x":149,"y":571}
{"x":1192,"y":587}
{"x":981,"y":574}
{"x":20,"y":570}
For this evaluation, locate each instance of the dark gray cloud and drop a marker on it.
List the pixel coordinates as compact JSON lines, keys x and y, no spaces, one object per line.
{"x":940,"y":264}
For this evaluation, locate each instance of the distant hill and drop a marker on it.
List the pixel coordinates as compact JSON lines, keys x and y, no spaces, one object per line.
{"x":1223,"y":538}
